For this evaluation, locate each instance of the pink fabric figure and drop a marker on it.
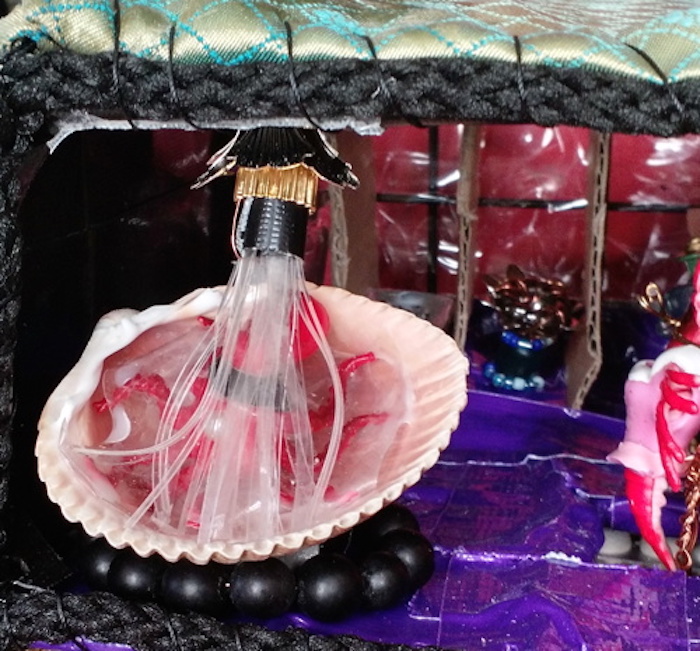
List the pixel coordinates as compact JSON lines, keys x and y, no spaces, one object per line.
{"x":662,"y":399}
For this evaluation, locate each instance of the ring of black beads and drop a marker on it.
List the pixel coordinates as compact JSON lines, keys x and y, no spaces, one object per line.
{"x":376,"y":565}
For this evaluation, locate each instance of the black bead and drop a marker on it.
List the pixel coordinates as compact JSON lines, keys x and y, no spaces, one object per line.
{"x":394,"y":516}
{"x":414,"y":551}
{"x":263,"y":588}
{"x":133,"y":577}
{"x":186,"y":586}
{"x":329,"y":587}
{"x":73,"y":544}
{"x":340,"y":544}
{"x":386,"y":581}
{"x":95,"y":561}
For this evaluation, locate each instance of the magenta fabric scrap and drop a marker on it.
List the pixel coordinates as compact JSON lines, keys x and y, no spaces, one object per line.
{"x":516,"y":508}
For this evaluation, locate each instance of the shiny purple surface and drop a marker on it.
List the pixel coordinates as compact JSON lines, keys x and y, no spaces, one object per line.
{"x":516,"y":507}
{"x":81,"y":644}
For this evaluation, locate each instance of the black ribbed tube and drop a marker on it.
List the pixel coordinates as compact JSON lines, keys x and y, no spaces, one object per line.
{"x":273,"y":226}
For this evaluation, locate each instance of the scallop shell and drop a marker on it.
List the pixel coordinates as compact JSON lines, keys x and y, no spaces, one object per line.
{"x":434,"y":367}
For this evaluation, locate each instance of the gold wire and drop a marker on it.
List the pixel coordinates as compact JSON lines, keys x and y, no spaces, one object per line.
{"x":689,"y":522}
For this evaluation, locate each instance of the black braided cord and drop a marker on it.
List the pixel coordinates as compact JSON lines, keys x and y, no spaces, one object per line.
{"x":57,"y":83}
{"x":37,"y":89}
{"x":34,"y":614}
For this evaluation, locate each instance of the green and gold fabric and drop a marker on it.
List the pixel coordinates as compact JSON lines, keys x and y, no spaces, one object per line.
{"x":634,"y":38}
{"x":632,"y":65}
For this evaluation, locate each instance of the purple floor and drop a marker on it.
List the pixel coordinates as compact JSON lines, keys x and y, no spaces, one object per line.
{"x":516,"y":508}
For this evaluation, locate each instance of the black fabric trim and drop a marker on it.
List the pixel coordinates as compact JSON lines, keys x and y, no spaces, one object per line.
{"x":33,"y":614}
{"x":429,"y":90}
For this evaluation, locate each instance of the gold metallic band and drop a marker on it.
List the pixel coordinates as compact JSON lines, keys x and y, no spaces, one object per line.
{"x":296,"y":183}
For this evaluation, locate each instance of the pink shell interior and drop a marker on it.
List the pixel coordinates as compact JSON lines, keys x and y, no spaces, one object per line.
{"x":428,"y":362}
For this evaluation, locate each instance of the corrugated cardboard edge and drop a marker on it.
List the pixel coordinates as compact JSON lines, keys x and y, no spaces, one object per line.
{"x":584,"y":355}
{"x":467,"y":203}
{"x":353,"y":241}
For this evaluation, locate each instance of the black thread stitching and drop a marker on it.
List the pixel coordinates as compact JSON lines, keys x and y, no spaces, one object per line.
{"x":116,"y":79}
{"x":522,"y":91}
{"x":237,"y":635}
{"x":172,"y":633}
{"x":384,"y":87}
{"x":18,"y":47}
{"x":63,"y":621}
{"x":174,"y":94}
{"x":293,"y":82}
{"x":662,"y":75}
{"x":44,"y":35}
{"x":8,"y":636}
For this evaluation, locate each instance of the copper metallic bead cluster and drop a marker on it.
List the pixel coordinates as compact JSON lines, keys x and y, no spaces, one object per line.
{"x":532,"y":307}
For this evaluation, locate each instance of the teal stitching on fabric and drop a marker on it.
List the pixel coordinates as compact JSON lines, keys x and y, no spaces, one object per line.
{"x":275,"y":35}
{"x":456,"y":49}
{"x":658,"y":26}
{"x":53,"y":11}
{"x":246,"y":3}
{"x":682,"y":65}
{"x":329,"y":19}
{"x":145,"y":52}
{"x":57,"y":24}
{"x":34,"y":35}
{"x":673,"y":75}
{"x":168,"y":15}
{"x":695,"y":37}
{"x":456,"y":18}
{"x":160,"y":5}
{"x":582,"y":61}
{"x":238,"y":58}
{"x":319,"y":15}
{"x":685,"y":18}
{"x":487,"y":40}
{"x":352,"y":39}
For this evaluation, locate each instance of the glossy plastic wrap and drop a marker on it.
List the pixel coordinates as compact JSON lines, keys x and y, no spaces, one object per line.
{"x":532,"y":190}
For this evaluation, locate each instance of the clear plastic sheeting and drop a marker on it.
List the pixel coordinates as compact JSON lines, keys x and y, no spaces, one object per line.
{"x":532,"y":194}
{"x":655,"y":171}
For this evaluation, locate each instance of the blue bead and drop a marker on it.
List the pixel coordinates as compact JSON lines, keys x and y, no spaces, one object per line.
{"x":520,"y":384}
